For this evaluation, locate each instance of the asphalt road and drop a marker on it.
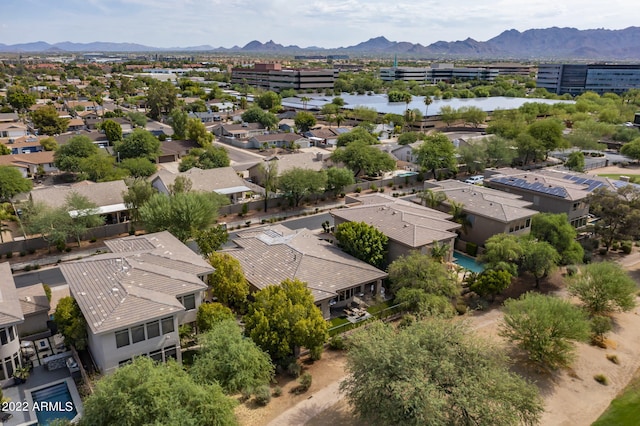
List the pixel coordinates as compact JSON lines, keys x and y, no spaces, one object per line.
{"x":240,"y":156}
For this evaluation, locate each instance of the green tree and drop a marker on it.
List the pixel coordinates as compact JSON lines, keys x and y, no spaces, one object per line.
{"x":198,"y":133}
{"x":47,"y":222}
{"x":427,"y":101}
{"x":399,"y":96}
{"x":363,"y":242}
{"x":473,"y":115}
{"x":432,"y":198}
{"x":557,"y":231}
{"x":547,"y":132}
{"x":145,"y":393}
{"x":304,"y":121}
{"x":178,"y":119}
{"x":210,"y":314}
{"x":529,"y":148}
{"x":257,"y":115}
{"x":138,"y":167}
{"x":449,"y":115}
{"x":617,"y":212}
{"x":230,"y":360}
{"x":424,"y":304}
{"x":575,"y":161}
{"x":338,"y":178}
{"x":284,"y":317}
{"x":357,"y":134}
{"x":491,"y":282}
{"x":210,"y":157}
{"x":631,"y":149}
{"x":139,"y":191}
{"x":408,"y":138}
{"x":503,"y":252}
{"x":544,"y":327}
{"x":434,"y":372}
{"x":364,"y":114}
{"x":19,"y":99}
{"x":139,"y":143}
{"x":112,"y":130}
{"x":474,"y":156}
{"x":211,"y":239}
{"x":539,"y":258}
{"x":47,"y":121}
{"x":269,"y":100}
{"x":84,"y":215}
{"x":228,"y":282}
{"x":297,"y":183}
{"x":138,"y":119}
{"x":436,"y":152}
{"x":49,"y":144}
{"x":268,"y":176}
{"x":604,"y":287}
{"x":417,"y":270}
{"x":71,"y":323}
{"x":4,"y":150}
{"x":12,"y":183}
{"x":182,"y":213}
{"x":162,"y":97}
{"x":499,"y":152}
{"x":361,"y":157}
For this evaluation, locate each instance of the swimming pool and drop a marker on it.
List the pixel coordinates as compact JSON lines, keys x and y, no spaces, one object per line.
{"x":53,"y":402}
{"x":467,"y":262}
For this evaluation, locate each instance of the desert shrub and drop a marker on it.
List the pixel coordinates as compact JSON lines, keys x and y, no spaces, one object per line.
{"x":602,"y":379}
{"x":8,"y":254}
{"x":626,"y":246}
{"x":93,"y":240}
{"x":602,"y":251}
{"x":461,"y":307}
{"x":613,"y":358}
{"x":27,"y":268}
{"x":277,"y":391}
{"x":305,"y":382}
{"x":315,"y":353}
{"x":245,"y":394}
{"x":23,"y":253}
{"x":32,"y":250}
{"x":572,"y":270}
{"x":600,"y":325}
{"x":262,"y":395}
{"x":294,"y":369}
{"x":615,"y":246}
{"x":407,"y":320}
{"x":36,"y":266}
{"x":67,"y":249}
{"x":337,"y":343}
{"x":358,"y":189}
{"x":373,"y":187}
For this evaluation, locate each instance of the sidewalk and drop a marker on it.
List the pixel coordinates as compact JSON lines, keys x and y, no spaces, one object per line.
{"x":305,"y":410}
{"x":258,"y":218}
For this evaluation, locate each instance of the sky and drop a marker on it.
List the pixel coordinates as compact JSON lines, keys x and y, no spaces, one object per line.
{"x":322,"y":23}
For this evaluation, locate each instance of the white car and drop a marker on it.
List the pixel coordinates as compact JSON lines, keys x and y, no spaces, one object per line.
{"x":475,"y":180}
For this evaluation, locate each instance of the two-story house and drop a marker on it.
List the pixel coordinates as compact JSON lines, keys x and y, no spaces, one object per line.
{"x":135,"y":298}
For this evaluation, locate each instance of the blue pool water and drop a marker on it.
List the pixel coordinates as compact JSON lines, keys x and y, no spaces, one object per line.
{"x":467,"y":262}
{"x":54,"y":402}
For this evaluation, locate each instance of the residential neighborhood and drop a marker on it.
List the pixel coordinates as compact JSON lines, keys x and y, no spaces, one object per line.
{"x":244,"y":236}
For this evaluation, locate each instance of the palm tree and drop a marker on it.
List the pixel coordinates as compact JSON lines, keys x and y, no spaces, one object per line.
{"x":439,"y":251}
{"x":427,"y":101}
{"x":460,"y":216}
{"x":432,"y":198}
{"x":304,"y":100}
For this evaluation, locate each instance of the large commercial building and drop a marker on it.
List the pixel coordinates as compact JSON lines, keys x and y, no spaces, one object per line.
{"x":274,"y":77}
{"x":438,"y":72}
{"x":579,"y":78}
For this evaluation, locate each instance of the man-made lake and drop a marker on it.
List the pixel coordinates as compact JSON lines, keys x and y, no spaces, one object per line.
{"x":383,"y":106}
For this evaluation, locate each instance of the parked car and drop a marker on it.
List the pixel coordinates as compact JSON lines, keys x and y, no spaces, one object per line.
{"x":475,"y":180}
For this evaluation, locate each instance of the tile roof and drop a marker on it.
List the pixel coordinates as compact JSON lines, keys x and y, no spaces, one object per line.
{"x":137,"y":282}
{"x":33,"y":299}
{"x":401,"y":221}
{"x":209,"y":180}
{"x":303,"y":160}
{"x":481,"y":201}
{"x":35,"y":158}
{"x":270,"y":255}
{"x":10,"y":310}
{"x":101,"y":193}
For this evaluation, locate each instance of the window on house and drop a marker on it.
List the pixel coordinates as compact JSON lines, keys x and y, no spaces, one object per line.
{"x":528,"y":223}
{"x":167,"y":325}
{"x":122,"y":338}
{"x":3,"y":336}
{"x":137,"y":333}
{"x":9,"y":365}
{"x":188,"y":301}
{"x":153,"y":329}
{"x":12,"y":336}
{"x":156,"y":355}
{"x":2,"y":376}
{"x":170,"y":353}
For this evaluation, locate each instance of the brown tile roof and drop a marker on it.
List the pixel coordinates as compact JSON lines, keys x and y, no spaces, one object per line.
{"x":209,"y":180}
{"x":10,"y":311}
{"x":138,"y":282}
{"x":101,"y":193}
{"x":35,"y":158}
{"x":270,"y":255}
{"x":401,"y":221}
{"x":33,"y":299}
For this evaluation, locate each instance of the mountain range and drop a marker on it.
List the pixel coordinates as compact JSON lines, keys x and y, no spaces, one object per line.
{"x":547,"y":43}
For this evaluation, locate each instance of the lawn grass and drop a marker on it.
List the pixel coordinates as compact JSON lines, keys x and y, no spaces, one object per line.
{"x":337,"y":321}
{"x":625,"y":409}
{"x":617,"y":175}
{"x":379,"y":307}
